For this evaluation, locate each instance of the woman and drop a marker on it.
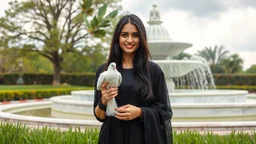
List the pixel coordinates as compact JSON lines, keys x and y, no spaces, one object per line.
{"x":144,"y":113}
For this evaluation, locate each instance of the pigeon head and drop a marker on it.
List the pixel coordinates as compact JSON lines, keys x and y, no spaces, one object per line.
{"x":112,"y":66}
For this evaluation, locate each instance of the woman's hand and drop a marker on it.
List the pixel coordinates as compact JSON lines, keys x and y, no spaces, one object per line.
{"x":128,"y":112}
{"x":107,"y":94}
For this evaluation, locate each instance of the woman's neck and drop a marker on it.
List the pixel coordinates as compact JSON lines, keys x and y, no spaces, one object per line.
{"x":127,"y":61}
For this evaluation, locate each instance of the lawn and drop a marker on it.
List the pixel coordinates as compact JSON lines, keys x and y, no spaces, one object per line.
{"x":39,"y":87}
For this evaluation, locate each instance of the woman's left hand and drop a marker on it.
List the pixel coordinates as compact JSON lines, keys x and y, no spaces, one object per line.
{"x":128,"y":112}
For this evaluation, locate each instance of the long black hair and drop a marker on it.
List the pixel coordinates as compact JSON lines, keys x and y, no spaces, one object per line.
{"x":141,"y":58}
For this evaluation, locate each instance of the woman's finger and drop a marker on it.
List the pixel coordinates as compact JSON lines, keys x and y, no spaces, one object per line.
{"x":121,"y":114}
{"x":103,"y":86}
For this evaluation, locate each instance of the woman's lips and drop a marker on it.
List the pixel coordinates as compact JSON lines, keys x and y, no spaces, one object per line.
{"x":129,"y":46}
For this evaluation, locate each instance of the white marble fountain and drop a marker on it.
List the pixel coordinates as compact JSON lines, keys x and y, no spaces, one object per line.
{"x":202,"y":107}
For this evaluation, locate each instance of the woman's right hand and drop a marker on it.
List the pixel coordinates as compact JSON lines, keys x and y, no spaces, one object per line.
{"x":107,"y":94}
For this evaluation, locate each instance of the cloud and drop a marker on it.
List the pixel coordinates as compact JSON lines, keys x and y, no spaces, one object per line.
{"x":234,"y":28}
{"x":202,"y":8}
{"x":240,"y":3}
{"x":197,"y":7}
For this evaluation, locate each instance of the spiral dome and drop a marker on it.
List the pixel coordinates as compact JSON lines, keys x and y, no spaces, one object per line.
{"x":160,"y":44}
{"x":155,"y":31}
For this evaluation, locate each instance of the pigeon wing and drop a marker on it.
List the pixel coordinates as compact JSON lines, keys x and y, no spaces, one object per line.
{"x":101,"y":79}
{"x":119,"y":78}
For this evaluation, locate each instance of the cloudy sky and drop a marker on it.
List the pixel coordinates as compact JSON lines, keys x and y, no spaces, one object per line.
{"x":231,"y":23}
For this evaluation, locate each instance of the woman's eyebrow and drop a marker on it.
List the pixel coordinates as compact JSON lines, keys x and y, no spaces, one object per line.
{"x":132,"y":32}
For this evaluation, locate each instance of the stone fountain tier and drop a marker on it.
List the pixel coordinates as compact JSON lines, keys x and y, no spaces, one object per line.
{"x":160,"y":44}
{"x":178,"y":96}
{"x":246,"y":113}
{"x":187,"y":105}
{"x":162,"y":49}
{"x":208,"y":96}
{"x":178,"y":68}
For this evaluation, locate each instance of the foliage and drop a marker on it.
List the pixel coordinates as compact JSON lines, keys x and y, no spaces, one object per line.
{"x":235,"y":79}
{"x":249,"y":88}
{"x":88,"y":62}
{"x":8,"y":60}
{"x":23,"y":134}
{"x":252,"y":69}
{"x":182,"y":55}
{"x":86,"y":79}
{"x":233,"y":64}
{"x":31,"y":62}
{"x":54,"y":28}
{"x":214,"y":56}
{"x":26,"y":94}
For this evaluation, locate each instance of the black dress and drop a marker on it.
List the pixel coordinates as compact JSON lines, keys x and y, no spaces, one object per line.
{"x":154,"y":127}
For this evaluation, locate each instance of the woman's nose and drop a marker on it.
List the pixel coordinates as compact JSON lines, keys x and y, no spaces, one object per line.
{"x":129,"y":39}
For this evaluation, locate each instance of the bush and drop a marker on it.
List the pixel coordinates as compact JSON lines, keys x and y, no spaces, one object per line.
{"x":248,"y":88}
{"x":12,"y":95}
{"x":22,"y":134}
{"x":85,"y":79}
{"x":235,"y":79}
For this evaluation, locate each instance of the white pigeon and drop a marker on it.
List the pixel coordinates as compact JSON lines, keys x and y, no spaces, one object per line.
{"x":114,"y":78}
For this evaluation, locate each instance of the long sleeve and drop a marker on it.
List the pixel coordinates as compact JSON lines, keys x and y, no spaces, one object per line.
{"x":97,"y":93}
{"x":157,"y":117}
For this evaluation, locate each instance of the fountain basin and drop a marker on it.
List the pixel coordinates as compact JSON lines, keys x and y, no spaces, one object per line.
{"x":208,"y":96}
{"x":7,"y":116}
{"x":177,"y":68}
{"x":168,"y":48}
{"x":183,"y":96}
{"x":70,"y":107}
{"x":195,"y":105}
{"x":204,"y":125}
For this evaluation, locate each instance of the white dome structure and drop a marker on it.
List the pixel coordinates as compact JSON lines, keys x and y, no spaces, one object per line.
{"x":160,"y":44}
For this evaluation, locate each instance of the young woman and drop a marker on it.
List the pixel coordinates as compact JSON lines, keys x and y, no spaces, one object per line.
{"x":144,"y":113}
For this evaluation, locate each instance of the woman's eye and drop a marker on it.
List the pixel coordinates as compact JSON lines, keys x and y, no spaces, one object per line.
{"x":124,"y":35}
{"x":136,"y":35}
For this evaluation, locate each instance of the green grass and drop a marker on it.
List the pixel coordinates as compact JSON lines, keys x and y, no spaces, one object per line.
{"x":38,"y":87}
{"x":22,"y":134}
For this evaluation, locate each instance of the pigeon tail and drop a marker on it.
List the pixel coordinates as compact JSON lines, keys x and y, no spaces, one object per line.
{"x":111,"y":106}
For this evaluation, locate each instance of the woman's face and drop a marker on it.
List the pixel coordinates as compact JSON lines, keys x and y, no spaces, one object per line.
{"x":129,"y":39}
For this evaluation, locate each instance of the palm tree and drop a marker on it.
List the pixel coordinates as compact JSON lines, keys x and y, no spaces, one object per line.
{"x":252,"y":69}
{"x":182,"y":55}
{"x":214,"y":56}
{"x":233,"y":64}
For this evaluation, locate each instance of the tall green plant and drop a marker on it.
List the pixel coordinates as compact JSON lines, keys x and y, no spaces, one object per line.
{"x":233,"y":64}
{"x":214,"y":56}
{"x":53,"y":28}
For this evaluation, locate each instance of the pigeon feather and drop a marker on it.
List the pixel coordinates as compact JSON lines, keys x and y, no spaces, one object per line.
{"x":114,"y":79}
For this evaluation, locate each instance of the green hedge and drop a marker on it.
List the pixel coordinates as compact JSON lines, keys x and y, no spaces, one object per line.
{"x":86,"y":79}
{"x":235,"y":79}
{"x":248,"y":88}
{"x":22,"y":134}
{"x":12,"y":95}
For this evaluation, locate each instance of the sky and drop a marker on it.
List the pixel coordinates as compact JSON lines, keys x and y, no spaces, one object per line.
{"x":204,"y":23}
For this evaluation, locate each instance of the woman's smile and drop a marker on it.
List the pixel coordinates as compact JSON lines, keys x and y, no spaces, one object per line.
{"x":129,"y":39}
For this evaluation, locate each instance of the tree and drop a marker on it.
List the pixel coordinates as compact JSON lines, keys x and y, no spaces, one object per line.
{"x":79,"y":63}
{"x":214,"y":56}
{"x":8,"y":60}
{"x":233,"y":64}
{"x":182,"y":55}
{"x":252,"y":69}
{"x":53,"y":28}
{"x":32,"y":62}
